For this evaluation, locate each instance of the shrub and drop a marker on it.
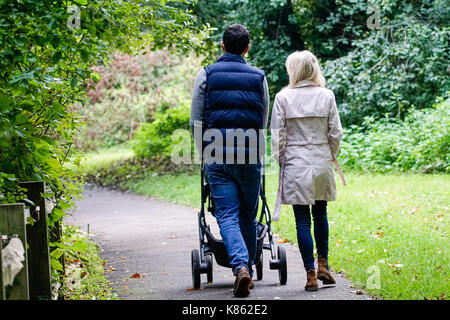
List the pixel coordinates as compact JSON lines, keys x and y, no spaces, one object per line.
{"x":154,"y":139}
{"x":419,"y":143}
{"x":131,"y":90}
{"x":401,"y":66}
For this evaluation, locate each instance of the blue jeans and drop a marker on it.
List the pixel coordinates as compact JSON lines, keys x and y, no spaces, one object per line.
{"x":303,"y":224}
{"x":235,"y":191}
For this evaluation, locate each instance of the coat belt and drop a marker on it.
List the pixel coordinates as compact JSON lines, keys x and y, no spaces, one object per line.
{"x":306,"y":142}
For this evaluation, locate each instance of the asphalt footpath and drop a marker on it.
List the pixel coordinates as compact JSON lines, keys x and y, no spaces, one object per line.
{"x":147,"y":245}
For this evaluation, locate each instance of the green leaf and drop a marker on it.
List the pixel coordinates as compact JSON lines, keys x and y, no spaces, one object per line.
{"x":73,"y":82}
{"x":57,"y":56}
{"x":55,"y":264}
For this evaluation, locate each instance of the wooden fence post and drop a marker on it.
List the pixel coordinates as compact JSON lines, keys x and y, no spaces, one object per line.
{"x":2,"y":289}
{"x":37,"y":235}
{"x":12,"y":221}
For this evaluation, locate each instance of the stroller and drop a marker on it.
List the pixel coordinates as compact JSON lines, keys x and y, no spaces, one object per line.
{"x":202,"y":261}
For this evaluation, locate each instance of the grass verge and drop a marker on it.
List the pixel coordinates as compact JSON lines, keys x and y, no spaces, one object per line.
{"x":83,"y":275}
{"x":388,"y":232}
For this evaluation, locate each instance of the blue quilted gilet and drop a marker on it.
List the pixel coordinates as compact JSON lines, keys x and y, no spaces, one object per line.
{"x":234,"y":98}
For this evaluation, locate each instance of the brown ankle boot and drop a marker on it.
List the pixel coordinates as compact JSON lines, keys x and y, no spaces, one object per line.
{"x":242,"y":283}
{"x":311,"y":281}
{"x":323,"y":274}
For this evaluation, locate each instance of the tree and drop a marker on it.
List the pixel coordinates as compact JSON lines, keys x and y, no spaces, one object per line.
{"x":378,"y":70}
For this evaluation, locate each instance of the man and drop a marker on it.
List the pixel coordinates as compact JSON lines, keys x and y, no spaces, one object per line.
{"x":231,"y":100}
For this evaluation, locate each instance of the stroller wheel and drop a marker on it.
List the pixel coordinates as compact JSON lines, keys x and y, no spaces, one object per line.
{"x":282,"y":271}
{"x":195,"y":263}
{"x":259,"y":268}
{"x":209,"y":264}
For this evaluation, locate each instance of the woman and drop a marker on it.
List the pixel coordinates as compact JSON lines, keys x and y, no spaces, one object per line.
{"x":306,"y":132}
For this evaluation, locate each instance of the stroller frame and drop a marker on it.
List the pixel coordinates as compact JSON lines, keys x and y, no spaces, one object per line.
{"x":201,"y":260}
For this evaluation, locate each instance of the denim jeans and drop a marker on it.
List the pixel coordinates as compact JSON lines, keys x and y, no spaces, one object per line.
{"x":235,"y":191}
{"x":303,"y":224}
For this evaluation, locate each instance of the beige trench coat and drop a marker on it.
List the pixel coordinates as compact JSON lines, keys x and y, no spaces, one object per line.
{"x":306,"y":133}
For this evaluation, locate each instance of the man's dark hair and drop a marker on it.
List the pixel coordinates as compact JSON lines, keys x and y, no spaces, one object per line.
{"x":236,"y":38}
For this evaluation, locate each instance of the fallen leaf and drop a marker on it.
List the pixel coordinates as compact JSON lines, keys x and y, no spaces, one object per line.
{"x":136,"y":276}
{"x":416,"y":209}
{"x":283,"y":241}
{"x":359,"y":292}
{"x":173,"y":237}
{"x":124,"y":287}
{"x":192,"y":289}
{"x":396,"y":265}
{"x":122,"y":258}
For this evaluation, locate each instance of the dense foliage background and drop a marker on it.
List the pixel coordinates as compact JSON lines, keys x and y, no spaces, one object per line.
{"x":84,"y":75}
{"x":46,"y":67}
{"x":48,"y":50}
{"x":381,"y":75}
{"x":373,"y":71}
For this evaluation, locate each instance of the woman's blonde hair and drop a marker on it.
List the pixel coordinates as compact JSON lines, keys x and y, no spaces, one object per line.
{"x":303,"y":65}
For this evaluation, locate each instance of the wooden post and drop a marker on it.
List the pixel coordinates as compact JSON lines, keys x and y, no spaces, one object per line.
{"x":37,"y":235}
{"x":2,"y":289}
{"x":12,"y":221}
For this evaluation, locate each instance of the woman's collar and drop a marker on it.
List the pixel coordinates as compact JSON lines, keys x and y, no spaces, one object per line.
{"x":305,"y":83}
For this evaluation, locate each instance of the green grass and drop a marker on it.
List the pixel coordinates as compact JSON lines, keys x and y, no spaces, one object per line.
{"x":392,"y":225}
{"x":183,"y":189}
{"x":388,"y":233}
{"x":102,"y":158}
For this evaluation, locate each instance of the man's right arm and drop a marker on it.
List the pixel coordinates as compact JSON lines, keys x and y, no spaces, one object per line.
{"x":198,"y":106}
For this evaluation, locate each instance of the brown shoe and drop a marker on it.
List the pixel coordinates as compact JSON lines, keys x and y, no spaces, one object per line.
{"x":311,"y":283}
{"x":323,"y":274}
{"x":242,"y":283}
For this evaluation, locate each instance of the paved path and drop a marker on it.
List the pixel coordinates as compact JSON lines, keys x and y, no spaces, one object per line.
{"x":139,"y":234}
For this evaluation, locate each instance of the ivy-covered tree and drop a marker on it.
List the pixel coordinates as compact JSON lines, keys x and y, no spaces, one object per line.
{"x":401,"y":66}
{"x":380,"y":56}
